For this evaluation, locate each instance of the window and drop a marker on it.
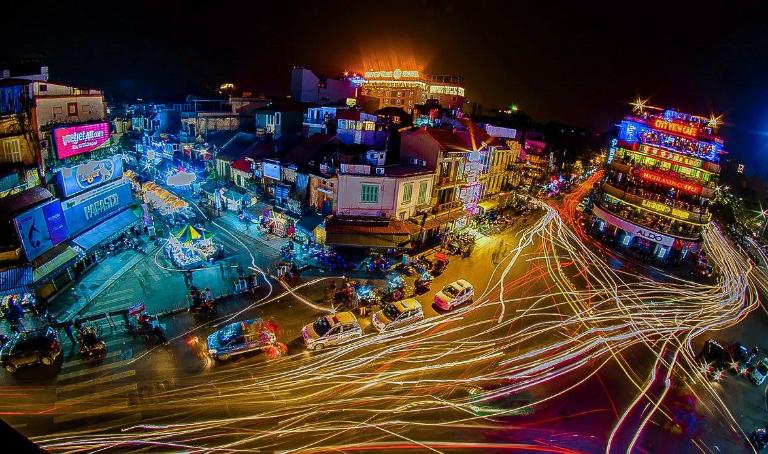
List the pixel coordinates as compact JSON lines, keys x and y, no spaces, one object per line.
{"x":72,"y":109}
{"x":369,"y":193}
{"x":43,"y":87}
{"x":408,"y":193}
{"x":277,"y":118}
{"x":11,"y":150}
{"x":57,"y":111}
{"x":422,"y":193}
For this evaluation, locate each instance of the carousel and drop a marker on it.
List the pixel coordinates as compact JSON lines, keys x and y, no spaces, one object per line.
{"x":191,"y":247}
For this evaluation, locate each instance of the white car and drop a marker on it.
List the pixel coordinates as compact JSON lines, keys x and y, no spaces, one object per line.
{"x":397,"y":314}
{"x":331,"y":330}
{"x":759,"y":372}
{"x":453,"y":294}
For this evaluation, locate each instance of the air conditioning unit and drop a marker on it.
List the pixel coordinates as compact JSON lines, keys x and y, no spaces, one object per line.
{"x":379,"y":170}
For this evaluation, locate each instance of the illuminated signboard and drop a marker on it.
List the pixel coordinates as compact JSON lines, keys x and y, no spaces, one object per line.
{"x":41,"y":228}
{"x":76,"y":179}
{"x":634,"y":132}
{"x":654,"y":177}
{"x":664,"y":209}
{"x":446,"y":90}
{"x":271,"y":170}
{"x":688,"y":130}
{"x":396,"y":74}
{"x":86,"y":210}
{"x":75,"y":140}
{"x":670,"y":156}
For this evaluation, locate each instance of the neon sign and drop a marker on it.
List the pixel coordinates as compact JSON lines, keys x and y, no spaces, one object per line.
{"x":664,"y":209}
{"x":396,"y":74}
{"x":684,"y":186}
{"x":675,"y":127}
{"x":670,"y":156}
{"x":76,"y":140}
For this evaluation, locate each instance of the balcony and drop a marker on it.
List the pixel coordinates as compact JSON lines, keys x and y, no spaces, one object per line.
{"x":657,"y":207}
{"x":443,"y":207}
{"x":674,"y":180}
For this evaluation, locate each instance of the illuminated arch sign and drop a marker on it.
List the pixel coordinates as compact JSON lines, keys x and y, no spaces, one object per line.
{"x":75,"y":140}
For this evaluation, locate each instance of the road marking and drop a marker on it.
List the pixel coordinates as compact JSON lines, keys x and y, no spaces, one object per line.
{"x":85,"y":361}
{"x":74,"y":415}
{"x":89,"y":398}
{"x":96,"y":381}
{"x":93,"y":370}
{"x":110,"y":302}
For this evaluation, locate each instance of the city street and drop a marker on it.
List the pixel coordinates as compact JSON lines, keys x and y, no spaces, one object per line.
{"x":553,"y":322}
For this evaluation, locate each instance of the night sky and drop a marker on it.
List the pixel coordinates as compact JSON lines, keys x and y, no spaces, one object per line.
{"x":575,"y":62}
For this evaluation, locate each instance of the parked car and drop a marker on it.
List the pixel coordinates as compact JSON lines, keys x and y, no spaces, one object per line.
{"x":739,"y":356}
{"x":453,"y":294}
{"x":331,"y":330}
{"x":397,"y":314}
{"x":758,"y":373}
{"x":240,"y":337}
{"x":28,"y":348}
{"x":714,"y":354}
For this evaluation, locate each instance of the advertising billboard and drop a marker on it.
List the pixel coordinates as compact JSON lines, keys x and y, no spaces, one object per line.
{"x":41,"y":228}
{"x":75,"y":140}
{"x":271,"y":170}
{"x":87,"y":210}
{"x":76,"y":179}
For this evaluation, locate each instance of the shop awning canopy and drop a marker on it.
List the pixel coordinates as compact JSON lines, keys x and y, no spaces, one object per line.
{"x":56,"y":259}
{"x":488,"y":205}
{"x":106,"y":229}
{"x":443,"y":218}
{"x":16,"y":280}
{"x":362,"y":240}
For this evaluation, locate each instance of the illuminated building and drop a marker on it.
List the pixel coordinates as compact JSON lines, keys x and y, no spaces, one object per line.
{"x":407,"y":88}
{"x":661,"y":174}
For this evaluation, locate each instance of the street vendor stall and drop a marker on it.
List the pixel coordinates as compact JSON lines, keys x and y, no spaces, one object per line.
{"x":163,"y":200}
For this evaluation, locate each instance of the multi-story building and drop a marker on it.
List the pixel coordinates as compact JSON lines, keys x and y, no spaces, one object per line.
{"x":407,"y":88}
{"x":356,"y":127}
{"x":306,"y":86}
{"x":660,"y":177}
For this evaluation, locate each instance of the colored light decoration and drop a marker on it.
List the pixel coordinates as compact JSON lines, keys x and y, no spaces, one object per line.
{"x":180,"y":178}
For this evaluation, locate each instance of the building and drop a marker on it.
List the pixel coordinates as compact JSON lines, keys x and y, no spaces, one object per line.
{"x":233,"y":150}
{"x":660,"y":178}
{"x":307,"y":87}
{"x":361,"y":128}
{"x":279,"y":118}
{"x":387,"y":192}
{"x":407,"y":88}
{"x":321,"y":120}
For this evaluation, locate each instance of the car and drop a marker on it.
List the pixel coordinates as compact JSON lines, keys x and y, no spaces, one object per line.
{"x":40,"y":346}
{"x":397,"y":314}
{"x":453,"y":294}
{"x":331,"y":330}
{"x":739,"y":355}
{"x":758,"y":373}
{"x":713,"y":358}
{"x":241,"y":337}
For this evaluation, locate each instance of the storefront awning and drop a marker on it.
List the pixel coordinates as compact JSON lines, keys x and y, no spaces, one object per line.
{"x":443,"y":218}
{"x":58,"y":258}
{"x":112,"y":226}
{"x":488,"y":205}
{"x":16,"y":280}
{"x":362,"y":240}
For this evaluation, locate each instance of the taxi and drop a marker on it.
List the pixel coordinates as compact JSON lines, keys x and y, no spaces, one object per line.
{"x":397,"y":314}
{"x":456,"y":293}
{"x":331,"y":330}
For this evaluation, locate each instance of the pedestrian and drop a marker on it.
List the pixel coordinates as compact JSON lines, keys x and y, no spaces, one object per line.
{"x":494,"y":257}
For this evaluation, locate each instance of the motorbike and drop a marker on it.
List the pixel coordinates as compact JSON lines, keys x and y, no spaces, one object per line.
{"x":203,"y":308}
{"x":422,"y":285}
{"x":90,"y":344}
{"x":759,"y":439}
{"x":141,"y":324}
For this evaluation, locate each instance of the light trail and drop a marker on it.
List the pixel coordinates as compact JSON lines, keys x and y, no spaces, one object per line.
{"x":403,"y":388}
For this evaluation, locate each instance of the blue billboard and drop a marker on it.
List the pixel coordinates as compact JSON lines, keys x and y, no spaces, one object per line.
{"x":76,"y":179}
{"x":41,"y":228}
{"x":87,"y":210}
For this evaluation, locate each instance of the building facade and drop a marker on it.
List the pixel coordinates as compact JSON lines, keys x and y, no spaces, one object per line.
{"x":660,"y":178}
{"x":407,"y":88}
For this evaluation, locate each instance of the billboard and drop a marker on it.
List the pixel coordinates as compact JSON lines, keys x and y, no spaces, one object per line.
{"x":76,"y":179}
{"x":41,"y":228}
{"x":271,"y":170}
{"x":87,"y":210}
{"x":75,"y":140}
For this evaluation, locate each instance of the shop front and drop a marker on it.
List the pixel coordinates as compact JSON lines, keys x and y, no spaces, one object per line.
{"x":640,"y":240}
